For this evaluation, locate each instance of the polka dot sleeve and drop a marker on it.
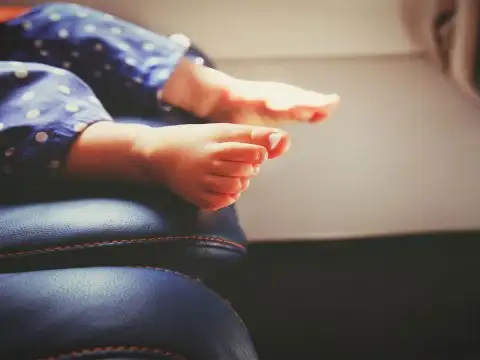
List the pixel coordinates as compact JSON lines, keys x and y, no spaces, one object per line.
{"x":42,"y":111}
{"x":121,"y":62}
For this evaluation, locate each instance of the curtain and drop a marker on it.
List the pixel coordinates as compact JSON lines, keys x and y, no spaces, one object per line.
{"x":447,"y":33}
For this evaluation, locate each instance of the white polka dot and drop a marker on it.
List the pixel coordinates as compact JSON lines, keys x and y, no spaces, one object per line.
{"x":66,"y":64}
{"x":116,"y":30}
{"x":63,"y":33}
{"x":163,"y":74}
{"x":78,"y":127}
{"x":54,"y":17}
{"x":98,"y":47}
{"x":123,"y":46}
{"x":33,"y":114}
{"x":64,"y":89}
{"x":75,"y":54}
{"x":89,"y":28}
{"x":81,"y":14}
{"x":21,"y":73}
{"x":199,"y":61}
{"x":58,"y":71}
{"x":41,"y":137}
{"x":167,"y":108}
{"x":152,"y":61}
{"x":108,"y":17}
{"x":148,"y":46}
{"x":9,"y":152}
{"x":108,"y":67}
{"x":54,"y":164}
{"x":181,"y":39}
{"x":28,"y":96}
{"x":38,"y":43}
{"x":2,"y":125}
{"x":44,"y":53}
{"x":138,"y":79}
{"x":97,"y":74}
{"x":27,"y":25}
{"x":130,"y":61}
{"x":71,"y":108}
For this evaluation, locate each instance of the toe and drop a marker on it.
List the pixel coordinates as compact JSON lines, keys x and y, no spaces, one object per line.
{"x":301,"y":105}
{"x":245,"y":183}
{"x":276,"y":141}
{"x":238,"y":152}
{"x":234,"y":168}
{"x":223,"y":184}
{"x":315,"y":107}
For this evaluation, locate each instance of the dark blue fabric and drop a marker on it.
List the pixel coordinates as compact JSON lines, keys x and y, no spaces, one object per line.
{"x":64,"y":67}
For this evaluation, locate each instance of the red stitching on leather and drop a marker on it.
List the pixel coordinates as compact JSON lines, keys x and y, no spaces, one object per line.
{"x":118,"y":242}
{"x":116,"y":348}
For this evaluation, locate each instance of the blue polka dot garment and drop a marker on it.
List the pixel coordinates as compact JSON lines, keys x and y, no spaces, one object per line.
{"x":60,"y":66}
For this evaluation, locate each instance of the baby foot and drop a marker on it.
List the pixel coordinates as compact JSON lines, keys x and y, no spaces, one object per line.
{"x":268,"y":103}
{"x":209,"y":165}
{"x":214,"y":95}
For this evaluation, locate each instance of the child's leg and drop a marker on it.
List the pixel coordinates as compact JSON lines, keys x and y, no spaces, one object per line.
{"x":214,"y":95}
{"x":124,"y":63}
{"x":51,"y":124}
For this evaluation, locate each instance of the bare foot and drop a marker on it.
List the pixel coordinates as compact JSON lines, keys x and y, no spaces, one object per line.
{"x":209,"y":165}
{"x":214,"y":95}
{"x":268,"y":103}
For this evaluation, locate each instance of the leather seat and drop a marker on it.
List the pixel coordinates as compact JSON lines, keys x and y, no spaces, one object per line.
{"x":116,"y":313}
{"x":116,"y":226}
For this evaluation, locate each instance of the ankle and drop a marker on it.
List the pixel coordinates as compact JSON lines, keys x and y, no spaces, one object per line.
{"x":108,"y":151}
{"x":195,"y":88}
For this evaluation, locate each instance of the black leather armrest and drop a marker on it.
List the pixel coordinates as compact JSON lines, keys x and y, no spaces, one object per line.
{"x":116,"y":313}
{"x":66,"y":224}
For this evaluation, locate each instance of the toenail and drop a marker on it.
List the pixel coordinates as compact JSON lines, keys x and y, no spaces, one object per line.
{"x":275,"y":139}
{"x":256,"y":169}
{"x":317,"y":117}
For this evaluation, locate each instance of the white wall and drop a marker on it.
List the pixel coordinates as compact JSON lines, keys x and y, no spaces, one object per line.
{"x":269,"y":28}
{"x":402,"y":154}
